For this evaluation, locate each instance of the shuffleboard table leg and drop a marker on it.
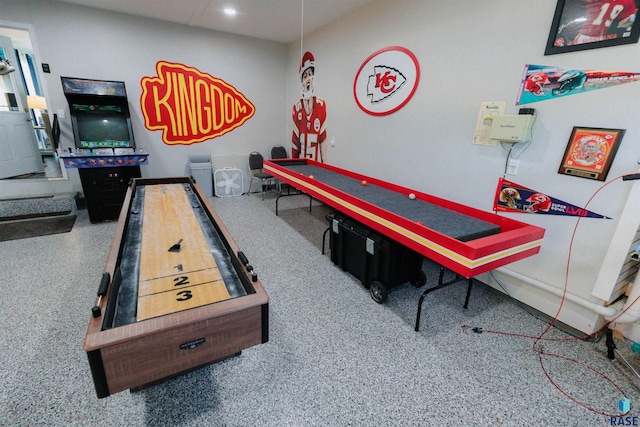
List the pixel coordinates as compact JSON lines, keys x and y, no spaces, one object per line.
{"x":417,"y":327}
{"x":441,"y":284}
{"x":324,"y":238}
{"x":466,"y":300}
{"x":297,"y":193}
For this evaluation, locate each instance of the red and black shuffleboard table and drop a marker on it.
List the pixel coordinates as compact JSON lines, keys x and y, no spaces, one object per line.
{"x":465,"y":240}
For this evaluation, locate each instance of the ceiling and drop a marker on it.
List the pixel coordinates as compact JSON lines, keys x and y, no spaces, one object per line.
{"x":276,"y":20}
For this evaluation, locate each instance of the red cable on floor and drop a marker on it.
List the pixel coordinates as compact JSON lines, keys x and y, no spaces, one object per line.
{"x":539,"y":348}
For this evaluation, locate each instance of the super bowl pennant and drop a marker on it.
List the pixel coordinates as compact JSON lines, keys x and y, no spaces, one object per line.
{"x":542,"y":82}
{"x":512,"y":197}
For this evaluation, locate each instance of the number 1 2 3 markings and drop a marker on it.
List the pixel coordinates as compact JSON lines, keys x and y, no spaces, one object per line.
{"x":182,"y":295}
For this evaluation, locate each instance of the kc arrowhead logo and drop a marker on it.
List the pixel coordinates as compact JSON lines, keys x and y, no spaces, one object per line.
{"x":386,"y":81}
{"x":190,"y":106}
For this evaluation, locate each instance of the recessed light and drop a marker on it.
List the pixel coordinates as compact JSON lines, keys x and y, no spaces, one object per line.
{"x":230,"y":11}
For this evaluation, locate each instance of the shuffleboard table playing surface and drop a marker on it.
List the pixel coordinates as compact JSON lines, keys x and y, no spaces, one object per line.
{"x":177,"y":269}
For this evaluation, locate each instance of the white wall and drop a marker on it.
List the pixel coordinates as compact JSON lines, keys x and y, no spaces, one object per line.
{"x":470,"y":52}
{"x":87,"y":43}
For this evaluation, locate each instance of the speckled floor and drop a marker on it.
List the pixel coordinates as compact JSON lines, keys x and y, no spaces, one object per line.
{"x":334,"y":358}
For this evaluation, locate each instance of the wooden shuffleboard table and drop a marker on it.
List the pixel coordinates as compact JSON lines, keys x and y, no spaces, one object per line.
{"x":465,"y":240}
{"x":176,"y":294}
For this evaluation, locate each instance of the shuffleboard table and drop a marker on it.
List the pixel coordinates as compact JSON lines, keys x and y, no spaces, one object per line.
{"x":465,"y":240}
{"x":176,"y":294}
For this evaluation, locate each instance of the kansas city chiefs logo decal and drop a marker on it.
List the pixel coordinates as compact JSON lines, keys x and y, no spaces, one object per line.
{"x":190,"y":106}
{"x":386,"y":81}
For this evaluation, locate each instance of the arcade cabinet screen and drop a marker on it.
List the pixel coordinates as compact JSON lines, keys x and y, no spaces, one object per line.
{"x":102,"y":130}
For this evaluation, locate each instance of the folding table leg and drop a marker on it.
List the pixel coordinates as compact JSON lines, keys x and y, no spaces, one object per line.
{"x":441,"y":285}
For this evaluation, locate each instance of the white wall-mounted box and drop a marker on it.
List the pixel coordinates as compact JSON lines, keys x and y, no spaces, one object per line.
{"x":512,"y":128}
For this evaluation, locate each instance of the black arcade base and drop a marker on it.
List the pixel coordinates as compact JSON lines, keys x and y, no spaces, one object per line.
{"x":104,"y":190}
{"x":377,"y":261}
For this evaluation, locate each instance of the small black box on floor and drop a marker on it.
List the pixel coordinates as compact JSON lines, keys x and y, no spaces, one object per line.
{"x":81,"y":202}
{"x":377,"y":261}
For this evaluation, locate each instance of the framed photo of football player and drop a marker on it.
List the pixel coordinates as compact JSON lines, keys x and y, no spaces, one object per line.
{"x":589,"y":24}
{"x":590,"y":152}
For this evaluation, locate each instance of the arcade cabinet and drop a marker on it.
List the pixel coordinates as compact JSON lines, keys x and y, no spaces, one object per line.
{"x":105,"y":152}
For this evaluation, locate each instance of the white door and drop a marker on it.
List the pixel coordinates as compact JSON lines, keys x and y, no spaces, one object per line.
{"x":19,"y":152}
